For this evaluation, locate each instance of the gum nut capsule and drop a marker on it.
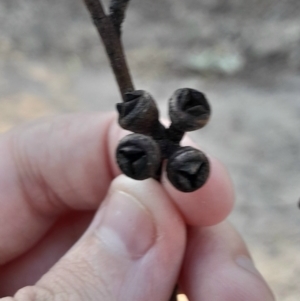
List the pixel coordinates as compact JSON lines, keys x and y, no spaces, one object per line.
{"x":138,"y":113}
{"x":188,"y":169}
{"x":138,"y":156}
{"x":189,"y":110}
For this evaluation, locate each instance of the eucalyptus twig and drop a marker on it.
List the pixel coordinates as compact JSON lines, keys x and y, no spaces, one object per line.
{"x":109,"y":31}
{"x":117,"y":13}
{"x":141,"y":155}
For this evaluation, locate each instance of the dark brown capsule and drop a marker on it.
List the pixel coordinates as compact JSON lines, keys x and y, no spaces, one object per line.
{"x":138,"y":113}
{"x":188,"y":169}
{"x":189,"y":110}
{"x":138,"y":156}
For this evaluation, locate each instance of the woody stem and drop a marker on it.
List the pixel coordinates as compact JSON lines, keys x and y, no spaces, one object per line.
{"x":112,"y":42}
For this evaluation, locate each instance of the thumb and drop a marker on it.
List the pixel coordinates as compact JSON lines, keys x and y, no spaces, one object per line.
{"x":132,"y":250}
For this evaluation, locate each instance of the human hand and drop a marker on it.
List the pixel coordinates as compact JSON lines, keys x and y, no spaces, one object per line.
{"x":110,"y":239}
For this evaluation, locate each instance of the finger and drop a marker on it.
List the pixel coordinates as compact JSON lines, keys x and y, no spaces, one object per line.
{"x":217,"y":266}
{"x":132,"y":250}
{"x":47,"y":168}
{"x":28,"y":268}
{"x":207,"y":206}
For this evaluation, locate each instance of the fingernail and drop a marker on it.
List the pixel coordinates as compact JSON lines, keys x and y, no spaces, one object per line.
{"x":246,"y":263}
{"x":127,"y":227}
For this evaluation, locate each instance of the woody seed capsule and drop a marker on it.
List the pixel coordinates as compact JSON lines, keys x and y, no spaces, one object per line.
{"x":189,"y":110}
{"x":188,"y":169}
{"x":138,"y":113}
{"x":138,"y":156}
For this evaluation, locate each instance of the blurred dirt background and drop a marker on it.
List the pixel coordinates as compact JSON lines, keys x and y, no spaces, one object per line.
{"x":245,"y":55}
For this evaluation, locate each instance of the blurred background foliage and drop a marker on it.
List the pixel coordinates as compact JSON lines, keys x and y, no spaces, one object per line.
{"x":245,"y":55}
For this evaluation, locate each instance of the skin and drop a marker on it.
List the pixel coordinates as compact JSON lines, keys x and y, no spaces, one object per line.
{"x":72,"y":228}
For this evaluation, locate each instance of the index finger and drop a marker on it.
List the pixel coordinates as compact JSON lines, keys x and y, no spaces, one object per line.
{"x":210,"y":204}
{"x":47,"y":168}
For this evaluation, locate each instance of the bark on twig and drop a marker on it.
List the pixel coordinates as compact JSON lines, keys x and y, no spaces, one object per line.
{"x":117,"y":13}
{"x":112,"y":42}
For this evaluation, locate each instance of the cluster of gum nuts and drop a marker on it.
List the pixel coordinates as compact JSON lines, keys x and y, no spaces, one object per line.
{"x":141,"y":155}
